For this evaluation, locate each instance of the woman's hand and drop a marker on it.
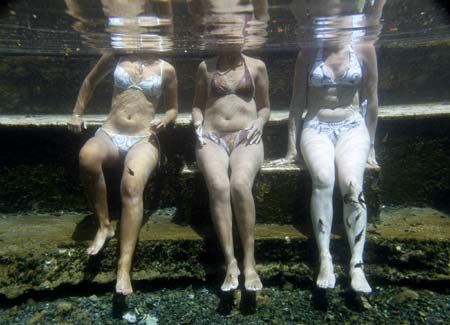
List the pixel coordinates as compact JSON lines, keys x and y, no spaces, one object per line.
{"x":198,"y":126}
{"x":255,"y":132}
{"x":372,"y":160}
{"x":76,"y":124}
{"x":157,"y":125}
{"x":290,"y":158}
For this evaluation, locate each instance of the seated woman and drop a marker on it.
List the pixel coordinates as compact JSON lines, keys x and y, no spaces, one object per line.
{"x":231,"y":106}
{"x":141,"y":83}
{"x":336,"y":84}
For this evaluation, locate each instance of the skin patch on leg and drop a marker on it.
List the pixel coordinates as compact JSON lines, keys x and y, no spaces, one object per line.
{"x":360,"y":265}
{"x":321,"y":226}
{"x":361,"y":200}
{"x":349,"y":224}
{"x":130,"y":171}
{"x":348,"y":199}
{"x":359,"y":236}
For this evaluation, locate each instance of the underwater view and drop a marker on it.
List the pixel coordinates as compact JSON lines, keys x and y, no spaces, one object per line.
{"x":224,"y":162}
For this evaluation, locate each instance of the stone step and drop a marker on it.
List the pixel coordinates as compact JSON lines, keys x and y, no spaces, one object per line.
{"x":45,"y":251}
{"x":281,"y":193}
{"x":40,"y":170}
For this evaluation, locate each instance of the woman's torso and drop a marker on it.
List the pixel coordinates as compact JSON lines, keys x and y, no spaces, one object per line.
{"x":333,"y":86}
{"x":230,"y":104}
{"x":137,"y":89}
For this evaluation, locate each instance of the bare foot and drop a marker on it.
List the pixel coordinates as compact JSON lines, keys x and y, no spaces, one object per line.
{"x":358,"y":280}
{"x":103,"y":234}
{"x":231,"y":281}
{"x":123,"y":284}
{"x":326,"y":278}
{"x":252,"y":280}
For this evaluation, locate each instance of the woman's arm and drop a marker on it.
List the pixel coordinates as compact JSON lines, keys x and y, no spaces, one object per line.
{"x":200,"y":97}
{"x":369,"y":92}
{"x":296,"y":109}
{"x":98,"y":72}
{"x":170,"y":83}
{"x":262,"y":103}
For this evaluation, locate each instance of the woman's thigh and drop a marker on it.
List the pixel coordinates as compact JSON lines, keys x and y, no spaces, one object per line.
{"x":318,"y":153}
{"x":140,"y":162}
{"x":213,"y":162}
{"x":99,"y":149}
{"x":352,"y":150}
{"x":246,"y":160}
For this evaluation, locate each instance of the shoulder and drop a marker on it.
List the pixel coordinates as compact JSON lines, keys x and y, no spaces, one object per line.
{"x":365,"y":52}
{"x":169,"y":73}
{"x":207,"y":66}
{"x":168,"y":68}
{"x":255,"y":64}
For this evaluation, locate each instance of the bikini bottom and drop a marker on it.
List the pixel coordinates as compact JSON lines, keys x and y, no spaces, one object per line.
{"x":228,"y":140}
{"x":333,"y":130}
{"x":124,"y":143}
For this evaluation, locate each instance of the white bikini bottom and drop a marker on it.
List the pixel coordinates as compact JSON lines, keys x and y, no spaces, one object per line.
{"x":124,"y":142}
{"x":333,"y":129}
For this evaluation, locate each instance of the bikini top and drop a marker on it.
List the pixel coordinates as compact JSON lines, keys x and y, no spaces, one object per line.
{"x":244,"y":88}
{"x":150,"y":86}
{"x":319,"y":78}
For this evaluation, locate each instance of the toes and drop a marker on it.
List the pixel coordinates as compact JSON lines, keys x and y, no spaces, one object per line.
{"x":92,"y":250}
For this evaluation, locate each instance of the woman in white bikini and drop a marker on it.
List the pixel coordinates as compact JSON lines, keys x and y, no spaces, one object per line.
{"x":336,"y":84}
{"x":142,"y":84}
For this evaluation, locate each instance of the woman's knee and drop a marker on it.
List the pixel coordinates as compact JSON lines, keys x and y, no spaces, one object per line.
{"x":89,"y":158}
{"x":350,"y":184}
{"x":323,"y":179}
{"x":352,"y":192}
{"x":219,"y":186}
{"x":241,"y":185}
{"x":131,"y":191}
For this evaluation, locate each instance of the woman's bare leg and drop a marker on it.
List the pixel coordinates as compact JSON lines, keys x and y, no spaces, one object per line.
{"x":93,"y":155}
{"x":318,"y":153}
{"x":213,"y":162}
{"x":352,"y":150}
{"x":140,"y":162}
{"x":245,"y":162}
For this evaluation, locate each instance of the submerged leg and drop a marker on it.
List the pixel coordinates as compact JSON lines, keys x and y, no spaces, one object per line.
{"x":94,"y":154}
{"x":213,"y":161}
{"x":351,"y":156}
{"x":140,"y":162}
{"x":245,"y":162}
{"x":318,"y":152}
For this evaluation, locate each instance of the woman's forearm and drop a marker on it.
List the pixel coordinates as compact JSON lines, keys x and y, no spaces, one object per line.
{"x":197,"y":115}
{"x":372,"y":121}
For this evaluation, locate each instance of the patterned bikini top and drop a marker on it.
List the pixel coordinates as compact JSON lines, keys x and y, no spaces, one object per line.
{"x":244,"y":88}
{"x":150,"y":86}
{"x":322,"y":76}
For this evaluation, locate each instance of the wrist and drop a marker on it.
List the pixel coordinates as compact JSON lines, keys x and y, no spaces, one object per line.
{"x":260,"y":121}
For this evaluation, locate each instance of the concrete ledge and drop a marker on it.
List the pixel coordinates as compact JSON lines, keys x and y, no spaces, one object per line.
{"x":282,"y":195}
{"x":40,"y":171}
{"x":41,"y":252}
{"x":184,"y":119}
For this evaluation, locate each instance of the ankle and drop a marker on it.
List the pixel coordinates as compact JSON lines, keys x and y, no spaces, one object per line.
{"x":325,"y":257}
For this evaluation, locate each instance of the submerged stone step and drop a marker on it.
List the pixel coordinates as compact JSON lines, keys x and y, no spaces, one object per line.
{"x":281,"y":193}
{"x":43,"y":251}
{"x":39,"y":166}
